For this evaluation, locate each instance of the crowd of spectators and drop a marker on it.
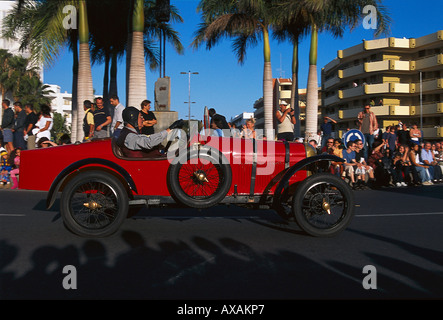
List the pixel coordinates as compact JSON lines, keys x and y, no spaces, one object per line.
{"x":395,"y":159}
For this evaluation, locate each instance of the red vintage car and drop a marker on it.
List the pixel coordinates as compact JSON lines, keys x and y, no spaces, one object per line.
{"x":99,"y":186}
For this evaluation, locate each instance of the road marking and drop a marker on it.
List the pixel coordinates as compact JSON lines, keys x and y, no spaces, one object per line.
{"x":12,"y":215}
{"x":399,"y":214}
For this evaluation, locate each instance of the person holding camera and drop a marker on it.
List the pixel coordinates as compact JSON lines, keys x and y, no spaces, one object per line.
{"x":286,"y":121}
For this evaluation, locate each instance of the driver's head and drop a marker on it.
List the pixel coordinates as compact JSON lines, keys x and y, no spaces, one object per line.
{"x":130,"y":116}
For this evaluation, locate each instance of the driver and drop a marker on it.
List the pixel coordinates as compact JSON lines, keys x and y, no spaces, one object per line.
{"x":136,"y":145}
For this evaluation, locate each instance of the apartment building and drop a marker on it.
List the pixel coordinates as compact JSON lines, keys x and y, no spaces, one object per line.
{"x":402,"y":78}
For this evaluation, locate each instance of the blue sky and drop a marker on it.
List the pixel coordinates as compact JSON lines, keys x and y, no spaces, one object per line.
{"x":232,"y":88}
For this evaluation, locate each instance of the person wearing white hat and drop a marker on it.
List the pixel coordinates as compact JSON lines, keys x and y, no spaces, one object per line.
{"x":285,"y":122}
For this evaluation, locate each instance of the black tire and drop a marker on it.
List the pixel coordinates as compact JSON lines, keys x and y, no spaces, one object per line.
{"x":94,"y":204}
{"x":311,"y":201}
{"x":184,"y":185}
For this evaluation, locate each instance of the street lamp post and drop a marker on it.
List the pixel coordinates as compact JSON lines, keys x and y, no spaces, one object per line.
{"x":189,"y":92}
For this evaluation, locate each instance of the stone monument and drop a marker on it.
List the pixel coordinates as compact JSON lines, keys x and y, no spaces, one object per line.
{"x":162,"y":104}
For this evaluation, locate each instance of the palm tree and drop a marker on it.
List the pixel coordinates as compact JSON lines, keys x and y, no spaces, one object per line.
{"x":331,"y":16}
{"x":5,"y":55}
{"x":292,"y":26}
{"x":245,"y":21}
{"x":39,"y":28}
{"x":137,"y":72}
{"x":84,"y":84}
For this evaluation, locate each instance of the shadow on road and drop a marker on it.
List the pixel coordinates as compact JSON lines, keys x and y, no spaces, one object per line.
{"x":204,"y":269}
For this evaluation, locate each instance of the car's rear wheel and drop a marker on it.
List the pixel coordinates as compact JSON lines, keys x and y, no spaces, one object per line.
{"x":323,"y":205}
{"x":200,"y":180}
{"x":94,"y":204}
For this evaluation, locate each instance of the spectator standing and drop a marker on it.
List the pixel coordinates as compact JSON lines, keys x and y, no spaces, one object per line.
{"x":326,"y":127}
{"x":149,"y":120}
{"x":249,"y":130}
{"x":44,"y":124}
{"x":415,"y":134}
{"x":102,"y":119}
{"x":19,"y":126}
{"x":367,"y":122}
{"x":286,"y":121}
{"x":88,"y":120}
{"x":117,"y":120}
{"x":428,"y":158}
{"x":30,"y":121}
{"x":391,"y":139}
{"x":7,"y":126}
{"x":403,"y":135}
{"x":216,"y":127}
{"x":214,"y":115}
{"x":234,"y":131}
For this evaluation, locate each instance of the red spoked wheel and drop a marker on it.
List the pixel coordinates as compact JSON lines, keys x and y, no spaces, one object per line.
{"x":199,"y":181}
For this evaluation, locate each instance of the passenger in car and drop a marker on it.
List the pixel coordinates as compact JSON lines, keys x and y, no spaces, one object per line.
{"x":134,"y":144}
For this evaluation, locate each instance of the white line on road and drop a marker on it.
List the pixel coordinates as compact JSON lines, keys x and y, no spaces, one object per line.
{"x":12,"y":215}
{"x":399,"y":214}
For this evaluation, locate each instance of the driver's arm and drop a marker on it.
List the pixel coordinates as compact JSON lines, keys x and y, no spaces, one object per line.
{"x":139,"y":141}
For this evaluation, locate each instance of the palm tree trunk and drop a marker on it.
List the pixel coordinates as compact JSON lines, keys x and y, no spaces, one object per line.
{"x":85,"y":88}
{"x":113,"y":80}
{"x":74,"y":102}
{"x":312,"y":89}
{"x":267,"y":88}
{"x":137,"y":72}
{"x":294,"y":89}
{"x":106,"y":102}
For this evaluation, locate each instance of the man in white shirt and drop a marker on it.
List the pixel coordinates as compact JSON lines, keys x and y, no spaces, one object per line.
{"x":117,"y":120}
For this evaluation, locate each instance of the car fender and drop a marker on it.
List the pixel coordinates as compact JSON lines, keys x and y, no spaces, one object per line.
{"x":284,"y":181}
{"x":61,"y":177}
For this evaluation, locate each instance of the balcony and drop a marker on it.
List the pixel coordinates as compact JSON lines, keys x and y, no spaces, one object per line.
{"x":351,"y":72}
{"x":429,"y":85}
{"x":285,"y":94}
{"x":433,"y":133}
{"x":331,"y":100}
{"x":331,"y":82}
{"x":332,"y":64}
{"x":428,"y":109}
{"x":428,"y":63}
{"x":382,"y":111}
{"x":429,"y":39}
{"x":341,"y":54}
{"x":388,"y":87}
{"x":351,"y":93}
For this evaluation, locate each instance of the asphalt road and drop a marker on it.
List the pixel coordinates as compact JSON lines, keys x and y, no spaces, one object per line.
{"x":227,"y":253}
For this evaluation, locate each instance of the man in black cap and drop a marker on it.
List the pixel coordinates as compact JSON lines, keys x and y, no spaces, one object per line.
{"x":214,"y":115}
{"x":138,"y":145}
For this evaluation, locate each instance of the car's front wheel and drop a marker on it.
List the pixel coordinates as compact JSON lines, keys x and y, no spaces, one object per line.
{"x":94,"y":204}
{"x":323,"y":205}
{"x":201,"y":179}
